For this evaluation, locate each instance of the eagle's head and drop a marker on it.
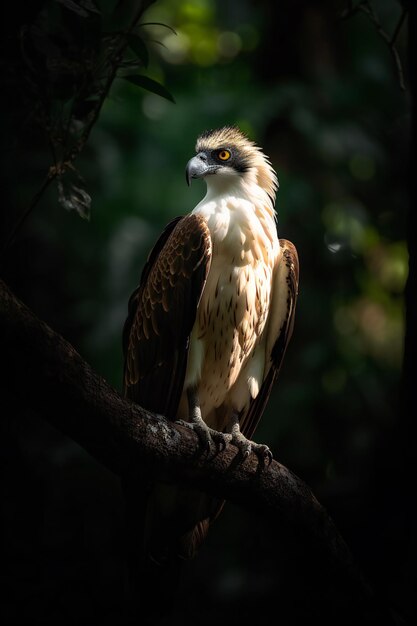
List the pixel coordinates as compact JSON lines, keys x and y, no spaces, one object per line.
{"x":227,"y":152}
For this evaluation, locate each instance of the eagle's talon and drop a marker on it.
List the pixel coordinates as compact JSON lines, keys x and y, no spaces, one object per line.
{"x":203,"y":436}
{"x":223,"y":440}
{"x":220,"y":439}
{"x":246,"y":446}
{"x":263,"y":452}
{"x":243,"y":445}
{"x":207,"y":436}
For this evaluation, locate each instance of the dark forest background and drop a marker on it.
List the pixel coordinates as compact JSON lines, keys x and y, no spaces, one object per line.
{"x":317,"y":85}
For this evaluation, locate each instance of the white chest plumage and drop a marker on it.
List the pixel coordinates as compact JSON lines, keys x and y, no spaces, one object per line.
{"x":227,"y":349}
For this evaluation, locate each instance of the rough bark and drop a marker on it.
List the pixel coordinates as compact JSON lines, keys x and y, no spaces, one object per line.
{"x":47,"y":375}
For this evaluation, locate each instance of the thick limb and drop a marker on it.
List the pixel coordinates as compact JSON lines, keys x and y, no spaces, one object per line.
{"x":246,"y":446}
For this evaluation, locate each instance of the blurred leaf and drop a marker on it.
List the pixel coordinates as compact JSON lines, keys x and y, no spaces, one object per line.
{"x":150,"y":85}
{"x":137,"y":45}
{"x":74,"y":198}
{"x":159,"y":24}
{"x":160,"y":43}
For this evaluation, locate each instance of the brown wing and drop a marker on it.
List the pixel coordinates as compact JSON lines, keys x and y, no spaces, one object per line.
{"x":280,"y":327}
{"x":162,"y":312}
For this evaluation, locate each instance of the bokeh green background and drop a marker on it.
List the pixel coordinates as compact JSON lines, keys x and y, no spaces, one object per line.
{"x":322,"y":97}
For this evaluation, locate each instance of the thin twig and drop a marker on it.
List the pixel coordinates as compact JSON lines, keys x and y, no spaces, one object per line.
{"x":399,"y":26}
{"x":366,"y":7}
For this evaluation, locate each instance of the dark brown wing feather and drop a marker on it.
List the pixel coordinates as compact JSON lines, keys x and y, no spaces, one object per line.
{"x":250,"y":421}
{"x":161,"y":315}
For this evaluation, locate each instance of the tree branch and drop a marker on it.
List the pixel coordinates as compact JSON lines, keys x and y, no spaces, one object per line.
{"x":366,"y":7}
{"x":47,"y":375}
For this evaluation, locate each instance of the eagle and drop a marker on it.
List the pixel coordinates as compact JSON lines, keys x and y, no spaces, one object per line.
{"x":208,"y":326}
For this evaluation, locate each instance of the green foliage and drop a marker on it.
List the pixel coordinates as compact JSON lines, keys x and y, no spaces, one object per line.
{"x":150,"y":85}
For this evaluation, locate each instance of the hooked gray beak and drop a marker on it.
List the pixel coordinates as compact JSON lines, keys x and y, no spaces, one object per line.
{"x":197,"y":167}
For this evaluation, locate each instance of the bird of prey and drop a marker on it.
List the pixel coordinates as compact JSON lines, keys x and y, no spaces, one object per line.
{"x":209,"y":324}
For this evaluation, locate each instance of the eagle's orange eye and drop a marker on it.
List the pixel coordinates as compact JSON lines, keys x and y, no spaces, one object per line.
{"x":224,"y":155}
